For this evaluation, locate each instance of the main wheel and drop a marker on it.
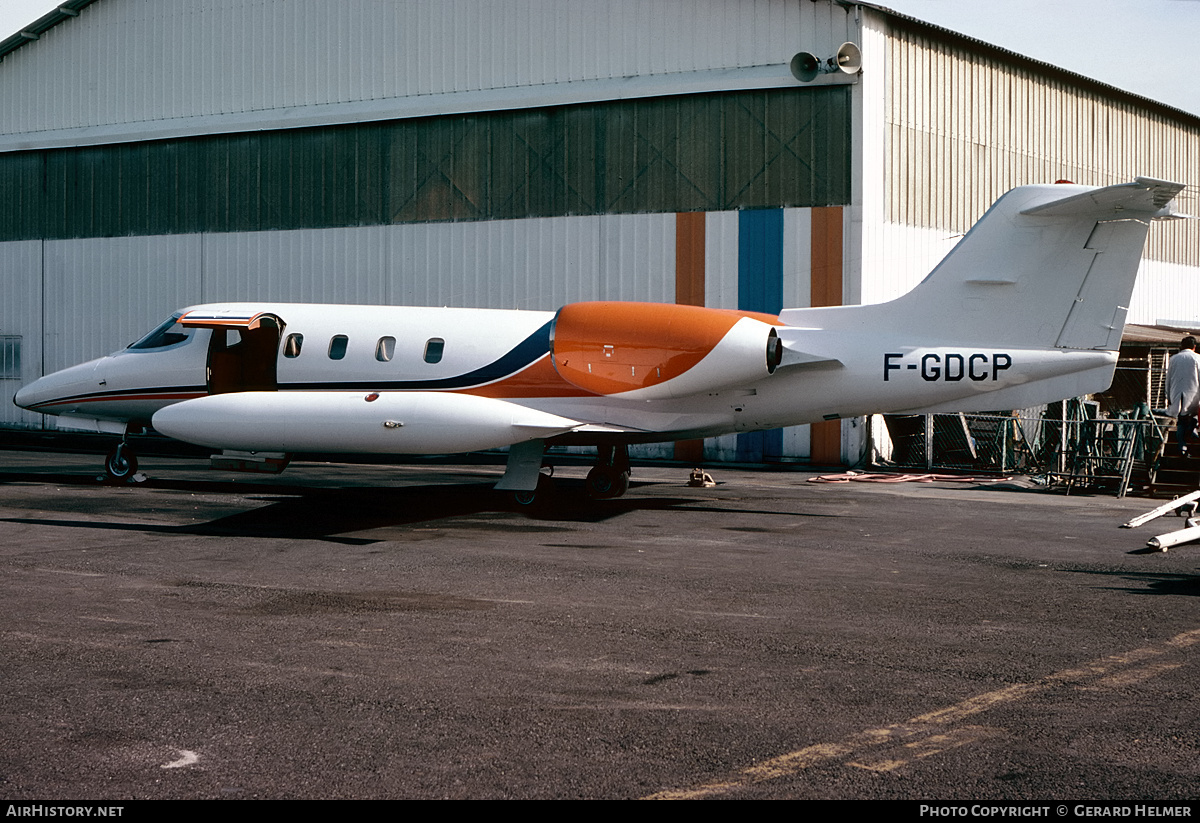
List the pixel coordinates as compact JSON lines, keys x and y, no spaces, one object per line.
{"x":527,"y":499}
{"x":121,"y":463}
{"x":524,"y":498}
{"x":607,"y":482}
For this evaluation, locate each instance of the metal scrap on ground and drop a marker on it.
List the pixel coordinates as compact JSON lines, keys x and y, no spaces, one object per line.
{"x":1161,"y":510}
{"x":1165,"y":541}
{"x":1182,"y":506}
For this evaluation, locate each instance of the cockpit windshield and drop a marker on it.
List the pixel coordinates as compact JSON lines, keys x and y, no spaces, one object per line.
{"x":167,"y":333}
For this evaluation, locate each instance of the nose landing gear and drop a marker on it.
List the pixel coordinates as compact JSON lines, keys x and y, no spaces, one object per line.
{"x":120,"y":465}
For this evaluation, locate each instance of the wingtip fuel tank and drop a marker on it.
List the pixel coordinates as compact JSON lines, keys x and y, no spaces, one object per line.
{"x":356,"y":422}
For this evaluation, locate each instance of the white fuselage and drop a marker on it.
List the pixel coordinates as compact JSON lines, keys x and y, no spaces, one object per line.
{"x":505,"y":356}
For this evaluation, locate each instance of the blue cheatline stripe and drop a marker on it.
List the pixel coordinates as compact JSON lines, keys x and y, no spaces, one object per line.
{"x":760,"y":288}
{"x":529,"y":350}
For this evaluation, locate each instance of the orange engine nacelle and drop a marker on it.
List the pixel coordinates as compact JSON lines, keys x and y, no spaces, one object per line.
{"x":650,"y":351}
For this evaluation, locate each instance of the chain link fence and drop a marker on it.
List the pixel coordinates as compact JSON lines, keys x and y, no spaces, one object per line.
{"x":1064,"y":443}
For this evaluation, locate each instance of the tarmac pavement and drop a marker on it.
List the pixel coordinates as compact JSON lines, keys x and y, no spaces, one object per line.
{"x":401,"y":632}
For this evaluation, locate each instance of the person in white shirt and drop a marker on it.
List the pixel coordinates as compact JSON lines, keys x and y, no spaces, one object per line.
{"x":1183,"y":390}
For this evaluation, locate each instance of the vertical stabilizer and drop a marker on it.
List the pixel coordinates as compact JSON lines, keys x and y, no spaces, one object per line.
{"x":1047,"y":266}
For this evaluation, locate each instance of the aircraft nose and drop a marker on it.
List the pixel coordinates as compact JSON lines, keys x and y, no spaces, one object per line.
{"x":27,"y":396}
{"x":57,"y":386}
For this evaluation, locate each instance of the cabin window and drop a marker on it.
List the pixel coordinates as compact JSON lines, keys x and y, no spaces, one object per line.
{"x":385,"y":348}
{"x":433,"y":350}
{"x":293,"y":344}
{"x":337,"y":346}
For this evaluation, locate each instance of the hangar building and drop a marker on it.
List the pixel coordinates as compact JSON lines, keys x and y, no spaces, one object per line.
{"x":525,"y":154}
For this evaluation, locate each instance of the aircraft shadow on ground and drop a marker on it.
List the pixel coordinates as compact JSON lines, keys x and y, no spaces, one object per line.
{"x":330,"y":513}
{"x":308,"y":513}
{"x":1153,"y":582}
{"x":325,"y":513}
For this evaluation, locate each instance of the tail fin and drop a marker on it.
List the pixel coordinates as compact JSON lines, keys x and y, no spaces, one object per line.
{"x":1047,"y":266}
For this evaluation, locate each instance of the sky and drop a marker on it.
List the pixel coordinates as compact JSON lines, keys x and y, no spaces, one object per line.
{"x":1143,"y":46}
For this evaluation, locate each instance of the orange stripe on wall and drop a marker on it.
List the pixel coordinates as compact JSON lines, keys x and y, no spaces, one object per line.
{"x":689,"y":258}
{"x":825,"y":438}
{"x":826,"y":256}
{"x":689,"y":291}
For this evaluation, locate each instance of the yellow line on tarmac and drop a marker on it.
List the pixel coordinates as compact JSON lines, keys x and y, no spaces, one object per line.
{"x":925,"y":734}
{"x":931,"y":745}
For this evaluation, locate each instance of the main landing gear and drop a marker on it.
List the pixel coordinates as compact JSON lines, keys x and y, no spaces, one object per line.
{"x":609,"y":478}
{"x":523,"y":477}
{"x":527,"y":498}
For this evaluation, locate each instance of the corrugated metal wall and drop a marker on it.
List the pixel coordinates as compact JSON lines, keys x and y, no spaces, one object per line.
{"x":750,"y":149}
{"x":965,"y":124}
{"x":100,"y":293}
{"x":146,"y":61}
{"x":518,"y":264}
{"x":21,"y":317}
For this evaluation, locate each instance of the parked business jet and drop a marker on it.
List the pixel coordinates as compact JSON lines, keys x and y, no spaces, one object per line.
{"x":1028,"y":308}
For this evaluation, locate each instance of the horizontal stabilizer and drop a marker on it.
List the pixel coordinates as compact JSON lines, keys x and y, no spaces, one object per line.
{"x":1145,"y":196}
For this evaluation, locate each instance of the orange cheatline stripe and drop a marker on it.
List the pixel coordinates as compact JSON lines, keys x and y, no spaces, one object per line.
{"x":611,"y":347}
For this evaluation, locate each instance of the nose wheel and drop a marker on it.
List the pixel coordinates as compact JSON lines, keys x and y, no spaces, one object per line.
{"x":121,"y":463}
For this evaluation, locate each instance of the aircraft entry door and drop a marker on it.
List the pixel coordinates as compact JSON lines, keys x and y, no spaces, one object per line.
{"x":242,"y":351}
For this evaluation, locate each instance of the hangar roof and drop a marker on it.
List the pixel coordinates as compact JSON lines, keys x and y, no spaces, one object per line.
{"x":64,"y":11}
